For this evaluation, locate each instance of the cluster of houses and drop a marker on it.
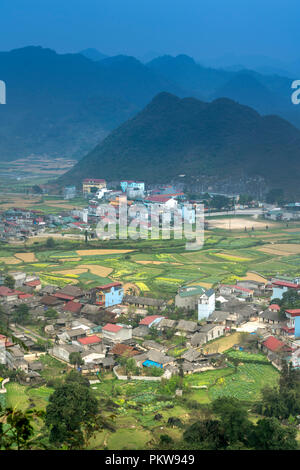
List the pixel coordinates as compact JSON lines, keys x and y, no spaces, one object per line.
{"x":17,"y":224}
{"x":87,"y":322}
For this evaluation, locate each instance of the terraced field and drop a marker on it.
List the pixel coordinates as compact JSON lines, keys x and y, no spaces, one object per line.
{"x":159,"y":267}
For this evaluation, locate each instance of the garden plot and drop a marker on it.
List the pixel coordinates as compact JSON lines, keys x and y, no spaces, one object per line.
{"x":26,"y":257}
{"x":101,"y":252}
{"x":281,"y":249}
{"x":10,"y":260}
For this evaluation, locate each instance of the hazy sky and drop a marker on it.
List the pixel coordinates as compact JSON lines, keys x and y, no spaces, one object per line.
{"x":200,"y":28}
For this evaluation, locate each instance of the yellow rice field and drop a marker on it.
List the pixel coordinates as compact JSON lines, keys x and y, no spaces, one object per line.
{"x":26,"y":257}
{"x":101,"y":252}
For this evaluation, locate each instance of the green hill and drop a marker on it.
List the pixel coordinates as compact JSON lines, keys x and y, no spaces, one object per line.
{"x":174,"y":136}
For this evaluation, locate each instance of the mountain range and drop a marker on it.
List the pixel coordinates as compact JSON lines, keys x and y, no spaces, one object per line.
{"x":172,"y":136}
{"x":65,"y":104}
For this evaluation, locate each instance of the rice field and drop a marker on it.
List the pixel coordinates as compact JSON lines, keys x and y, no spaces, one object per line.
{"x":158,"y":268}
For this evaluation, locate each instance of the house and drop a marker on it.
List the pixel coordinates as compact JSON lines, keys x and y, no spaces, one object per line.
{"x":35,"y":285}
{"x":8,"y":295}
{"x":63,"y":351}
{"x":279,"y":287}
{"x":212,"y":331}
{"x":166,"y":324}
{"x":206,"y":304}
{"x":73,"y":307}
{"x":13,"y":358}
{"x":108,"y":294}
{"x":89,"y":184}
{"x":188,"y":297}
{"x":151,"y":320}
{"x":140,"y":332}
{"x":144,"y":302}
{"x":186,"y":327}
{"x":270,"y":316}
{"x":124,"y":350}
{"x":274,"y":345}
{"x":72,"y":291}
{"x":191,"y":355}
{"x":153,"y":359}
{"x":72,"y":334}
{"x":116,"y":333}
{"x":87,"y":341}
{"x":293,"y":316}
{"x":207,"y":333}
{"x":150,"y":344}
{"x":50,"y":301}
{"x":132,"y":185}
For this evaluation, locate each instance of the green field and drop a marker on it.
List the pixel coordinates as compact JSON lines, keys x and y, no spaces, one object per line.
{"x":159,"y":267}
{"x":138,"y":402}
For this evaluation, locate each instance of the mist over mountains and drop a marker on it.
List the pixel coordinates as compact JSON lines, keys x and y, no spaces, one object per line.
{"x":173,"y":136}
{"x":65,"y":104}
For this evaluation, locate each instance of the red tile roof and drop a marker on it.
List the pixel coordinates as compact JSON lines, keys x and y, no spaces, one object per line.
{"x":25,"y":296}
{"x":112,"y":328}
{"x":59,"y":295}
{"x":273,"y":344}
{"x":274,"y":307}
{"x":5,"y":291}
{"x":73,"y":307}
{"x":121,"y":349}
{"x":295,"y":312}
{"x":94,"y":339}
{"x":35,"y":283}
{"x":93,"y":180}
{"x":148,"y":320}
{"x":291,"y":285}
{"x":108,"y":286}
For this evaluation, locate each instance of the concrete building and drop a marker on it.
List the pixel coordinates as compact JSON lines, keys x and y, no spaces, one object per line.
{"x":188,"y":297}
{"x":206,"y":304}
{"x":117,"y":333}
{"x":108,"y":294}
{"x":90,"y":183}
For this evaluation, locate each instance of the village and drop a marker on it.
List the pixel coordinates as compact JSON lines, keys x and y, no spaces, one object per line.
{"x":98,"y":329}
{"x":147,"y":314}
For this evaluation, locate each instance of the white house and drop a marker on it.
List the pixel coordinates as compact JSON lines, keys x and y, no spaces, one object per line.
{"x":206,"y":304}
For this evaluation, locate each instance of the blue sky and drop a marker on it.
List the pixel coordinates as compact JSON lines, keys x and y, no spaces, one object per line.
{"x":200,"y":28}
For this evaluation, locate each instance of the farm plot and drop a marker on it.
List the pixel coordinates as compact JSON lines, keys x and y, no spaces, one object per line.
{"x":26,"y":257}
{"x":246,"y":383}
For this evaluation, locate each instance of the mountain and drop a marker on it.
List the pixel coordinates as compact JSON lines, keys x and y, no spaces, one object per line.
{"x":265,"y":93}
{"x":64,"y":104}
{"x":173,"y":136}
{"x":93,"y":54}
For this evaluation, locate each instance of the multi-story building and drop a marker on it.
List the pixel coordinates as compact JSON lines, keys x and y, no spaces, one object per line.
{"x":108,"y":294}
{"x":206,"y":304}
{"x":89,"y":183}
{"x":188,"y":297}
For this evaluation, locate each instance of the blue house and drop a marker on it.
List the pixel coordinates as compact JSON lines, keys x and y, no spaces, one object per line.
{"x":294,"y":320}
{"x":108,"y":295}
{"x":280,"y":287}
{"x":128,"y":184}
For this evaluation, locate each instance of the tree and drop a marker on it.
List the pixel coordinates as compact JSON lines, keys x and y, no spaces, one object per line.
{"x":270,"y":434}
{"x":9,"y":282}
{"x":72,"y":415}
{"x":206,"y":434}
{"x":76,"y":359}
{"x":18,"y":428}
{"x":21,"y":314}
{"x":275,"y":196}
{"x":234,"y":419}
{"x":50,"y":243}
